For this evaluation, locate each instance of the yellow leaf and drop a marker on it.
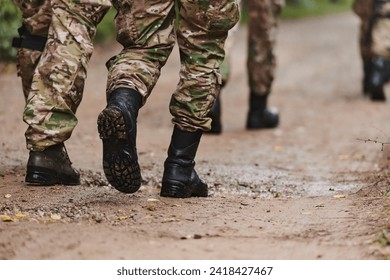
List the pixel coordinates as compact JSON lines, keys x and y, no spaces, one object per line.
{"x":20,"y":215}
{"x":121,"y":218}
{"x":153,"y":200}
{"x":339,"y":196}
{"x":55,"y":217}
{"x":7,"y":219}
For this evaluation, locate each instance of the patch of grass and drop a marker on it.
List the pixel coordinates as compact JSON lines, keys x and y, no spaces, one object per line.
{"x":10,"y":19}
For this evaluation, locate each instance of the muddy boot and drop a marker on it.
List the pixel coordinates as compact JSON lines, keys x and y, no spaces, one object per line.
{"x":259,"y":116}
{"x":180,"y":179}
{"x":117,"y":125}
{"x":215,"y":115}
{"x":380,"y":75}
{"x":51,"y":167}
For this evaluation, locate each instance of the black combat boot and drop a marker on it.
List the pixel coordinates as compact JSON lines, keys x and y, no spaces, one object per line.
{"x":380,"y":75}
{"x":117,"y":125}
{"x":215,"y":115}
{"x":180,"y":179}
{"x":51,"y":167}
{"x":259,"y":116}
{"x":366,"y":76}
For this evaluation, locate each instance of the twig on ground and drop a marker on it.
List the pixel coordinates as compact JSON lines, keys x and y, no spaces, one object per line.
{"x":375,"y":141}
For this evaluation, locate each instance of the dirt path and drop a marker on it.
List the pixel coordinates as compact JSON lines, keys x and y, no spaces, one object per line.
{"x":307,"y":190}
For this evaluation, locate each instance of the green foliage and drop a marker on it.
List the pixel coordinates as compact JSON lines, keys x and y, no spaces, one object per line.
{"x":10,"y":19}
{"x":106,"y":29}
{"x":304,"y":8}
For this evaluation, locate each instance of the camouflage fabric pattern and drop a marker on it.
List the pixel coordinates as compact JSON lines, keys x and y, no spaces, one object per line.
{"x":36,"y":16}
{"x":55,"y":92}
{"x":148,"y":33}
{"x":381,"y":30}
{"x":374,"y":29}
{"x":225,"y":68}
{"x":27,"y":61}
{"x":262,"y":26}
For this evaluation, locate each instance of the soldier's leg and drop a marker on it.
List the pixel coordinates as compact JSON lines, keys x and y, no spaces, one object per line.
{"x":261,"y":61}
{"x":202,"y":31}
{"x":145,"y":30}
{"x":53,"y":100}
{"x":31,"y":42}
{"x":364,"y":9}
{"x":49,"y":111}
{"x":36,"y":15}
{"x":215,"y":112}
{"x":380,"y":71}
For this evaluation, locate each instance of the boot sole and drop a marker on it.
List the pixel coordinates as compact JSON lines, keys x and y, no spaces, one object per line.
{"x":262,"y":122}
{"x":120,"y":165}
{"x":179,"y":190}
{"x":377,"y":95}
{"x":41,"y":177}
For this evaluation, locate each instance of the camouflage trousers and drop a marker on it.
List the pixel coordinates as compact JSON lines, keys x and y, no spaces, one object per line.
{"x":374,"y":29}
{"x":262,"y":29}
{"x":59,"y":72}
{"x":148,"y":32}
{"x":36,"y":16}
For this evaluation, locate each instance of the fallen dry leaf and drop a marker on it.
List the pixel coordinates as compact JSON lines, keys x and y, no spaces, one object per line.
{"x":121,"y":218}
{"x":153,"y":200}
{"x":20,"y":215}
{"x":339,"y":196}
{"x":55,"y":217}
{"x":7,"y":219}
{"x":7,"y":195}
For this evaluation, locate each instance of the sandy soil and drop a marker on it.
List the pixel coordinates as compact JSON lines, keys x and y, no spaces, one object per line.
{"x":306,"y":190}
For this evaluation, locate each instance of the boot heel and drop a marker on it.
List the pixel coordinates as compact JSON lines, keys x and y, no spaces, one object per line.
{"x":180,"y":179}
{"x":174,"y":189}
{"x":111,"y":124}
{"x":39,"y":178}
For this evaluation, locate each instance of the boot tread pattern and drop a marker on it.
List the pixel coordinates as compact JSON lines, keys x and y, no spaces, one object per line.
{"x":119,"y":164}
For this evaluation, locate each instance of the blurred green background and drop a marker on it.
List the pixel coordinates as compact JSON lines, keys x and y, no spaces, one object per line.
{"x":10,"y":20}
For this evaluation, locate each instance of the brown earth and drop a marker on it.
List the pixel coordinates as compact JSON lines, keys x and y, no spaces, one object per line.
{"x":306,"y":190}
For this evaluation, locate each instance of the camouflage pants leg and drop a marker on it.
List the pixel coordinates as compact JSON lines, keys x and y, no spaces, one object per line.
{"x":202,"y":32}
{"x":261,"y":41}
{"x":146,"y":30}
{"x":381,"y":30}
{"x":51,"y":105}
{"x":225,"y":68}
{"x":36,"y":16}
{"x":365,"y":10}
